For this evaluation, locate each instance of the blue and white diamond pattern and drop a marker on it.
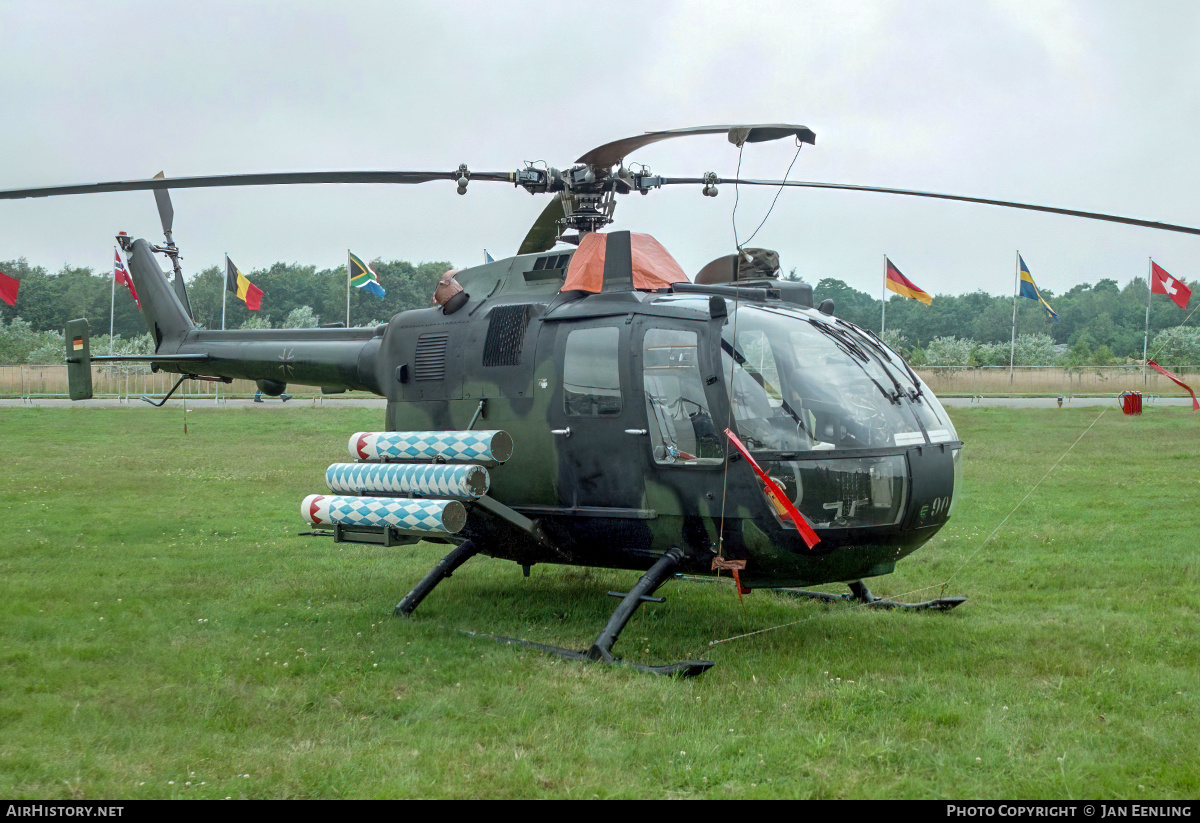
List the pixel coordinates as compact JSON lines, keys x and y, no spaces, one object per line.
{"x":440,"y":480}
{"x":460,"y":446}
{"x":411,"y":515}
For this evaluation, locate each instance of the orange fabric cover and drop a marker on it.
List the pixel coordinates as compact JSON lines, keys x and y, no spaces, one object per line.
{"x":653,"y":266}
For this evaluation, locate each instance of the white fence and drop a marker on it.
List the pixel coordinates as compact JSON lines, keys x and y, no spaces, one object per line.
{"x":1055,"y":380}
{"x":118,"y":382}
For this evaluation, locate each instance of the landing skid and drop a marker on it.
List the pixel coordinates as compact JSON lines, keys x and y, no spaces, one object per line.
{"x":601,"y":650}
{"x":859,"y":593}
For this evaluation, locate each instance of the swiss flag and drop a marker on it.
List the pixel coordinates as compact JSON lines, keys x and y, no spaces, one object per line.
{"x":1163,"y":283}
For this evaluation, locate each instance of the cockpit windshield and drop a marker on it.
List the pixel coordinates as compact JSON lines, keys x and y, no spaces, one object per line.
{"x":800,"y":381}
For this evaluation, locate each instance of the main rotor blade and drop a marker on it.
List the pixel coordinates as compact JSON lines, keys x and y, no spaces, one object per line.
{"x":268,"y":179}
{"x":1090,"y":215}
{"x":611,"y":153}
{"x":544,"y":230}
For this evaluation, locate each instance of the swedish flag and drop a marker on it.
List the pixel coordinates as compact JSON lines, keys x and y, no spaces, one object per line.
{"x":1029,"y":289}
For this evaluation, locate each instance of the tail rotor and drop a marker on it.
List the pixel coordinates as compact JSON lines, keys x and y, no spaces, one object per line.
{"x":167,"y":215}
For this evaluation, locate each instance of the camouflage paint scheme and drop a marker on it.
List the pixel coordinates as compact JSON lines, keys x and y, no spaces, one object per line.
{"x":598,"y":495}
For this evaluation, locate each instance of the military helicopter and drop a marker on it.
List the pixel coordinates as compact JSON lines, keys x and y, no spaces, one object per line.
{"x":594,"y":406}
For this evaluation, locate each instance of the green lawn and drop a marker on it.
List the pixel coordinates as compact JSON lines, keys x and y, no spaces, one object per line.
{"x":164,"y":632}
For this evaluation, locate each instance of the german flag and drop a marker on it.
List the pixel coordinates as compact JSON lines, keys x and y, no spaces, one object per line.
{"x":900,"y":284}
{"x":237,"y":283}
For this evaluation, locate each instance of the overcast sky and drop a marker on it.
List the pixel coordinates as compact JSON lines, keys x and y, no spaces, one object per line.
{"x":1089,"y":105}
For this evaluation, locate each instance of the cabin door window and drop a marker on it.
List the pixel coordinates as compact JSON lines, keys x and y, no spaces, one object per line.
{"x":592,"y":373}
{"x":681,"y":426}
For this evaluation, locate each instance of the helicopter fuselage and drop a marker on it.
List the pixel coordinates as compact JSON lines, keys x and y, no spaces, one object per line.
{"x":617,"y":404}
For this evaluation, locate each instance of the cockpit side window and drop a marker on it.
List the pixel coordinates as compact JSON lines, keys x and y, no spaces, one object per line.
{"x":592,"y":373}
{"x":682,"y":430}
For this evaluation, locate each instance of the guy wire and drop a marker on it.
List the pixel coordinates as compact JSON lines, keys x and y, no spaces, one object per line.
{"x":732,"y":364}
{"x":1181,"y":322}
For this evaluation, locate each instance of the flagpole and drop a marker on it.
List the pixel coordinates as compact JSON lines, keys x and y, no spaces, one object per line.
{"x":224,"y":290}
{"x":1012,"y":349}
{"x":112,"y":306}
{"x":883,"y":300}
{"x":347,"y":288}
{"x":1149,"y":299}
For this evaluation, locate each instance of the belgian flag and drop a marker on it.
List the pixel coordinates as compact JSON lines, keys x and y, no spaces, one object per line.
{"x":237,"y":283}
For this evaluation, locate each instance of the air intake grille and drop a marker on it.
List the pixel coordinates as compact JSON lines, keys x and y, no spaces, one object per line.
{"x":430,"y":360}
{"x":506,"y":335}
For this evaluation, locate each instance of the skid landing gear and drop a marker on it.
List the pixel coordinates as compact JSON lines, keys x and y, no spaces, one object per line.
{"x":601,"y":650}
{"x":861,"y":594}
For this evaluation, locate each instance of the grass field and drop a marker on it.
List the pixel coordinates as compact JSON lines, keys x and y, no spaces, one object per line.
{"x":164,"y":632}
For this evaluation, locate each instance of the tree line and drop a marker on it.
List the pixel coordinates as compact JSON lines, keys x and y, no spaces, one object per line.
{"x":293,"y":295}
{"x":1098,"y":324}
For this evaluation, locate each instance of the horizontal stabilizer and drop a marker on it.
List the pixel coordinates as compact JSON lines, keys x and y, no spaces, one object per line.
{"x":79,"y":360}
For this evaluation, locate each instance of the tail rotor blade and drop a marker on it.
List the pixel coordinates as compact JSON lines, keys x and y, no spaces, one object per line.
{"x":165,"y":212}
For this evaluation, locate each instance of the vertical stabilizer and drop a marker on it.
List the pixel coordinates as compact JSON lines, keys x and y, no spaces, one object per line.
{"x":166,"y":317}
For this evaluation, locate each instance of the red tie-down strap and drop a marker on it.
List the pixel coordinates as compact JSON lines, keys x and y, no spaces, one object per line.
{"x":734,"y":567}
{"x":806,"y":531}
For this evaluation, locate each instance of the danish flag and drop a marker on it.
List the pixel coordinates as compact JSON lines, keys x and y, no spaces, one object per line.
{"x":1163,"y":283}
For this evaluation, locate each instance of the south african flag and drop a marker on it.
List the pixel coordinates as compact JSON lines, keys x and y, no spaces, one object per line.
{"x":363,"y":276}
